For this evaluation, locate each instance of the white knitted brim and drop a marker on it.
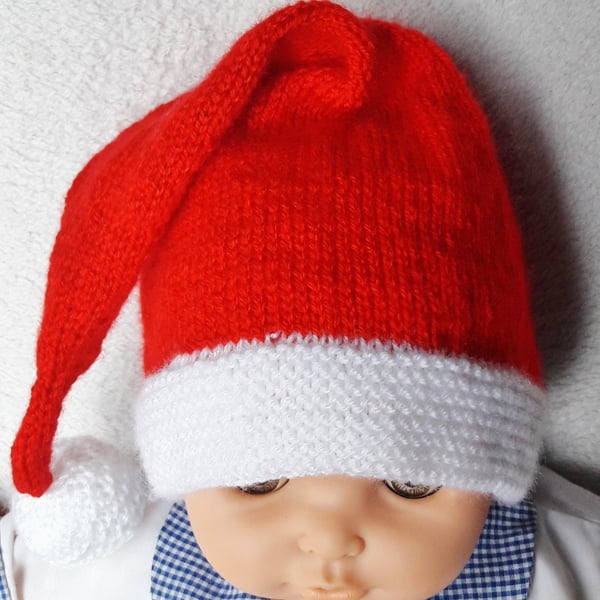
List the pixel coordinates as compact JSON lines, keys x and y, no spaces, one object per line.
{"x":297,"y":406}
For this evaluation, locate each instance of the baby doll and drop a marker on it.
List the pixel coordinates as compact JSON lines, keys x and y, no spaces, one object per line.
{"x":342,"y":377}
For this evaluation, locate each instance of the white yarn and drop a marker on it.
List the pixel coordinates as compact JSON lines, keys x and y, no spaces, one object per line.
{"x":294,"y":406}
{"x":94,"y":504}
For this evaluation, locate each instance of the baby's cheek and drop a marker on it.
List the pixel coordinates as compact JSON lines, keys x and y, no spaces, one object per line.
{"x":253,"y":566}
{"x":416,"y":553}
{"x":245,"y":549}
{"x":415,"y":569}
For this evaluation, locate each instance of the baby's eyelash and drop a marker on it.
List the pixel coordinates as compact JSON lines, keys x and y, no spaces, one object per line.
{"x":410,"y":490}
{"x":264,"y":487}
{"x":403,"y":489}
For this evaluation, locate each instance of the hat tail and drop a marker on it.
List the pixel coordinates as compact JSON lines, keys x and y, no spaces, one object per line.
{"x":118,"y":207}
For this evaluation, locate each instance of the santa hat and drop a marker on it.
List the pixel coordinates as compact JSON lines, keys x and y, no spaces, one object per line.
{"x":331,"y":273}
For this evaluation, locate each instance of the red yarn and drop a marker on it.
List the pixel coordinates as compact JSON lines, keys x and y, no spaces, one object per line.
{"x":332,"y":175}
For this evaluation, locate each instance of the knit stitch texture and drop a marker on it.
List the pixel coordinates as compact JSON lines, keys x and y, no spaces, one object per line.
{"x":332,"y":176}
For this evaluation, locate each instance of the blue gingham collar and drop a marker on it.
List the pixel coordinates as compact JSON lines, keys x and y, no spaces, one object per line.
{"x":499,"y":568}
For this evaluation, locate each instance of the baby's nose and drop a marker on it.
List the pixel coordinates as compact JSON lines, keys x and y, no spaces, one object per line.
{"x":331,"y":537}
{"x":333,"y":507}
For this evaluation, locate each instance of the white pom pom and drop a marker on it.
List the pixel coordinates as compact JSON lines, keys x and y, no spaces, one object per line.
{"x":93,"y":506}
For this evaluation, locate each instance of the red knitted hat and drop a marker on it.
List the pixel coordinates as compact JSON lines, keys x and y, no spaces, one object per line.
{"x":332,"y":278}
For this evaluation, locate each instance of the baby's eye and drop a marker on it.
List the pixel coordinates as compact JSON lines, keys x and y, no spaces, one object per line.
{"x":411,"y":490}
{"x":264,"y":487}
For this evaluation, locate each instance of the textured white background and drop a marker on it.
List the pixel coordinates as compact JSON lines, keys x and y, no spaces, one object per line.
{"x":73,"y":74}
